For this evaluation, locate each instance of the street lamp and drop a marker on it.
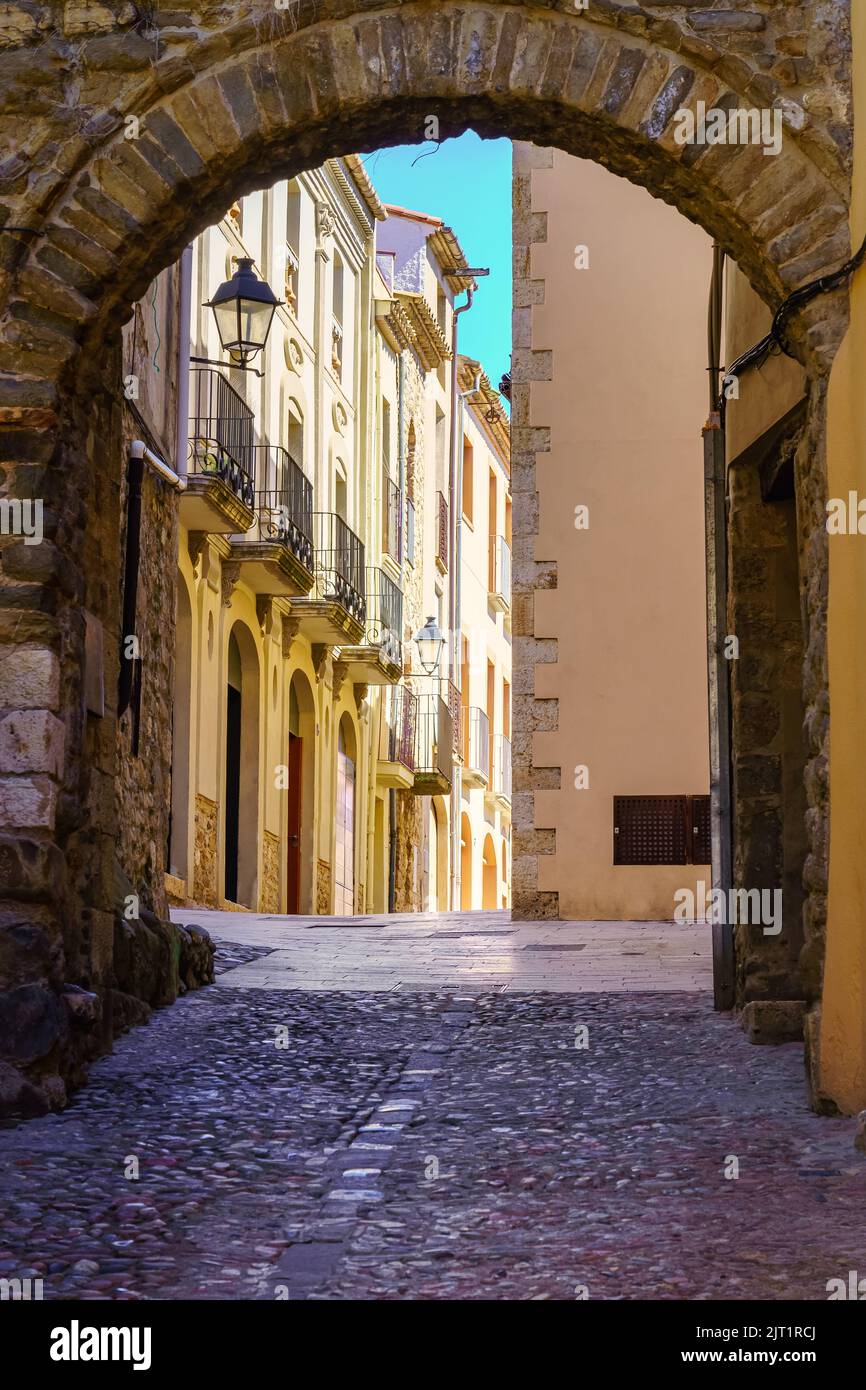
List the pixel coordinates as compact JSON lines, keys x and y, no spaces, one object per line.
{"x":429,"y":641}
{"x":243,"y":308}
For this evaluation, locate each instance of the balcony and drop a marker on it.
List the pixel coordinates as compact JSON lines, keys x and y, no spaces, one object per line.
{"x":498,"y":794}
{"x":396,"y":766}
{"x":276,"y":555}
{"x":451,"y":695}
{"x":335,"y":612}
{"x":441,"y":532}
{"x":220,"y":492}
{"x":499,"y":577}
{"x":434,"y":745}
{"x":378,"y":659}
{"x":476,"y":748}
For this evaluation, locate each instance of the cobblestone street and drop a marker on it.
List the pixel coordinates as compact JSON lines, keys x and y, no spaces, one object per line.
{"x":481,"y":1142}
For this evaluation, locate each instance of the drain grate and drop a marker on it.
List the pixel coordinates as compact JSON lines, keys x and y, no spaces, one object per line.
{"x":554,"y":946}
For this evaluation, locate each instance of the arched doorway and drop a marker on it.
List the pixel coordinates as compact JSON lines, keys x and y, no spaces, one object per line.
{"x":241,"y":770}
{"x":432,"y":903}
{"x":489,"y":877}
{"x":466,"y":886}
{"x":344,"y":833}
{"x":605,"y":87}
{"x":300,"y":804}
{"x":178,"y":832}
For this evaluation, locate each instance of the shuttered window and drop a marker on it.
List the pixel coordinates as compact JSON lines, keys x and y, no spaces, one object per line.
{"x":661,"y":830}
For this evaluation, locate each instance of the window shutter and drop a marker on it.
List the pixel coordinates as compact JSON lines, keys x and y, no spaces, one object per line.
{"x":650,"y":830}
{"x":700,"y":829}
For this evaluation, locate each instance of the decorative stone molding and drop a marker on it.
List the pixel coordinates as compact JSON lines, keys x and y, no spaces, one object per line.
{"x":325,"y":224}
{"x":265,"y":613}
{"x":339,"y":672}
{"x":361,"y":693}
{"x":196,"y":545}
{"x":228,"y":579}
{"x":319,"y":653}
{"x":291,"y":628}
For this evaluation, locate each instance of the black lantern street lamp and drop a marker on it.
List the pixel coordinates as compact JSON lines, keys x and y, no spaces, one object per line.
{"x":243,"y":308}
{"x":429,"y":641}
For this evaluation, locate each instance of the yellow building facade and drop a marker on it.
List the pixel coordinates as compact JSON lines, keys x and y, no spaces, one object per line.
{"x":316,"y":765}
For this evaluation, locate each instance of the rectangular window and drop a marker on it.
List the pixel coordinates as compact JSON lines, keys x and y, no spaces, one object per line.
{"x":661,"y":830}
{"x":410,"y":533}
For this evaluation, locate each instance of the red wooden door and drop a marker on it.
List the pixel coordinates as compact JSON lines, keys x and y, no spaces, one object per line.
{"x":293,"y":866}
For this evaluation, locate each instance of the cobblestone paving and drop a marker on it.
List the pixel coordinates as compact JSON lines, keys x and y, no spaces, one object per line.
{"x":428,"y":1145}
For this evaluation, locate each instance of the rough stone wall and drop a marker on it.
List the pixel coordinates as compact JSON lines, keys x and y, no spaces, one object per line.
{"x":769,"y":801}
{"x":270,"y":891}
{"x":323,"y":888}
{"x":411,"y":828}
{"x":528,"y":442}
{"x":205,"y":852}
{"x":144,"y":753}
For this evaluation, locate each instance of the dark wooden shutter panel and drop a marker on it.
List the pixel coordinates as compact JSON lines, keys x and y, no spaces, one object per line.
{"x":700,"y":827}
{"x":651,"y":830}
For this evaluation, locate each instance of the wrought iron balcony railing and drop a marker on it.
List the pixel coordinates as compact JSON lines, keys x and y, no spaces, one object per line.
{"x":441,"y":531}
{"x":284,"y":501}
{"x":339,"y":564}
{"x":451,"y":695}
{"x":397,"y":740}
{"x":476,"y":741}
{"x":385,"y":614}
{"x":434,"y":737}
{"x":221,"y":433}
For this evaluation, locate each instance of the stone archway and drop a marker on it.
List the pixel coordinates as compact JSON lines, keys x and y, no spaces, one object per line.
{"x":171,"y":122}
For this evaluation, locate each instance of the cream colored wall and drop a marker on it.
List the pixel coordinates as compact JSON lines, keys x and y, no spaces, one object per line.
{"x":343,"y":419}
{"x":488,"y":636}
{"x":340,"y":421}
{"x":625,"y":409}
{"x":843,"y":1020}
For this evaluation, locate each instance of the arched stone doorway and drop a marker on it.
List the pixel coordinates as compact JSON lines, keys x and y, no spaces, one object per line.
{"x":211,"y":114}
{"x":240,"y":801}
{"x":300,"y":800}
{"x":466,"y":879}
{"x":489,"y":876}
{"x":345,"y":817}
{"x":437,"y":856}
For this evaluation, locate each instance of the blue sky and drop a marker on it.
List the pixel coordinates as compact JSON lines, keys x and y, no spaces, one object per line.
{"x":466,"y":182}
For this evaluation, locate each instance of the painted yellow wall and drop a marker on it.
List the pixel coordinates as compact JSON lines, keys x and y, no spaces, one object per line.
{"x":843,"y":1023}
{"x":625,"y":410}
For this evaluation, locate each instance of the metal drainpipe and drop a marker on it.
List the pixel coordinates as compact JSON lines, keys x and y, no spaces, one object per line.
{"x":718,"y":667}
{"x":392,"y":794}
{"x":455,"y":486}
{"x":139,"y":455}
{"x":135,"y":477}
{"x":181,"y":444}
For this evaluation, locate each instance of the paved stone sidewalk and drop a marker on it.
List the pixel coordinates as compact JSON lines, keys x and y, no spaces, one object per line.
{"x":433,"y":1145}
{"x":476,"y":951}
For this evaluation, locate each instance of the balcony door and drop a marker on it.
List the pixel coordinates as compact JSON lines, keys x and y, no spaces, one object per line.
{"x":344,"y":852}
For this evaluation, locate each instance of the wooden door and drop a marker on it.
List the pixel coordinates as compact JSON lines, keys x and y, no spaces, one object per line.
{"x":295,"y":807}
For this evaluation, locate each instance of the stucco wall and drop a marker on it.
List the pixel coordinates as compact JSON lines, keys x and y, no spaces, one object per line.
{"x":624,"y":410}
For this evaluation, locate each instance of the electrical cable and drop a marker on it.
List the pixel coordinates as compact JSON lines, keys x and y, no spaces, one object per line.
{"x":775,"y":339}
